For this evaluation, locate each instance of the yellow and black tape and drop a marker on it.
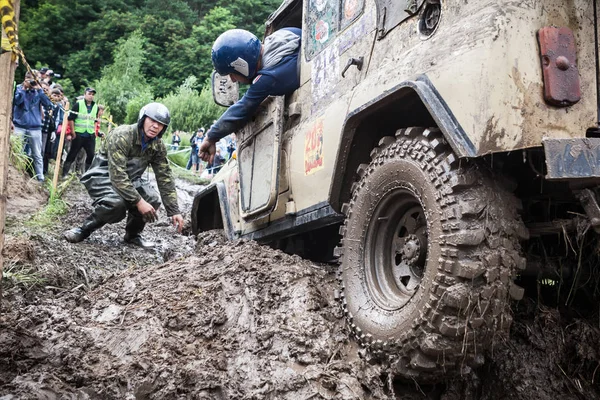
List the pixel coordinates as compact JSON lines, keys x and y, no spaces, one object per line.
{"x":9,"y":23}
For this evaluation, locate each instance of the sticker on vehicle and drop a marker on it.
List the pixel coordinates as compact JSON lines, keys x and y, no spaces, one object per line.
{"x":313,"y":149}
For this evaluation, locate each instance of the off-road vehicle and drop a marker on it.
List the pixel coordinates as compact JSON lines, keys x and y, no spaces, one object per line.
{"x":439,"y":149}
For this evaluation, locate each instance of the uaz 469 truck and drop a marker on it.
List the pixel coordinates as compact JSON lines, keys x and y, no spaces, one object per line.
{"x":430,"y":143}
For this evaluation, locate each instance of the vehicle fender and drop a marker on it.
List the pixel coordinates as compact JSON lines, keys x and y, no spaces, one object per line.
{"x":398,"y":101}
{"x":210,"y":210}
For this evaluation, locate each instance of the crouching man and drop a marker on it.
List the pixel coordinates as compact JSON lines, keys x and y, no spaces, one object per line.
{"x":115,"y":182}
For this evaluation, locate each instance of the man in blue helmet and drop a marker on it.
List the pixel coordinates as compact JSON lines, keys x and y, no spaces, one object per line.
{"x":270,"y":67}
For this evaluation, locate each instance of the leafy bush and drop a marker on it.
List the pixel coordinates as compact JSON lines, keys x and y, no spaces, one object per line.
{"x":122,"y":82}
{"x":190,"y":108}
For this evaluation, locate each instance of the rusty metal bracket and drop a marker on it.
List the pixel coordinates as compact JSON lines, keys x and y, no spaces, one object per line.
{"x":590,"y":205}
{"x":558,"y":53}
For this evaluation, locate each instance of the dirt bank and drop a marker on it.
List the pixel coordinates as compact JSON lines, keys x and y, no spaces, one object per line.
{"x":207,"y":319}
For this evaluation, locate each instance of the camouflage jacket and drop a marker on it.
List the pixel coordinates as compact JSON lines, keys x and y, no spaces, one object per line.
{"x":127,"y":162}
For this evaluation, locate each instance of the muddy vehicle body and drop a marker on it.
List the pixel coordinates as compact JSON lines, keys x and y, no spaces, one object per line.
{"x":434,"y":148}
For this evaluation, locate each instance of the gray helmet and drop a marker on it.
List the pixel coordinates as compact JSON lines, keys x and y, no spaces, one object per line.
{"x":158,"y":112}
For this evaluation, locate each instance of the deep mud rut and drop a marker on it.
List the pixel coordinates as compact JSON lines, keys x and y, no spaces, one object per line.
{"x":204,"y":318}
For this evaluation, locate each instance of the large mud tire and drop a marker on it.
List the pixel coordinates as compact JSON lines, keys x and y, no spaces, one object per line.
{"x":430,"y":247}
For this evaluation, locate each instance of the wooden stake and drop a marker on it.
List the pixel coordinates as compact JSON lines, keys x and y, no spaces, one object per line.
{"x":7,"y":77}
{"x":61,"y":143}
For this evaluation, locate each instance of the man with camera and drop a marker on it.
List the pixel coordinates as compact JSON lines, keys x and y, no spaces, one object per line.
{"x":27,"y":119}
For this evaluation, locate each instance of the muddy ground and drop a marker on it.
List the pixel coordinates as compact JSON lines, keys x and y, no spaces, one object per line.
{"x":202,"y":318}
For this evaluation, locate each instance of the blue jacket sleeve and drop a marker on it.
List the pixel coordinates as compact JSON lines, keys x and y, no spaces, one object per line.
{"x":238,"y":114}
{"x":19,"y":96}
{"x":44,"y":99}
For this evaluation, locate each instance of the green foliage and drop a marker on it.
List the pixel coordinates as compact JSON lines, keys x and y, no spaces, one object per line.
{"x":76,"y":38}
{"x":83,"y":66}
{"x":135,"y":105}
{"x":216,"y":21}
{"x":188,"y":175}
{"x":22,"y":275}
{"x":190,"y":108}
{"x":180,"y":157}
{"x":123,"y":81}
{"x":17,"y":157}
{"x":68,"y":88}
{"x":47,"y":216}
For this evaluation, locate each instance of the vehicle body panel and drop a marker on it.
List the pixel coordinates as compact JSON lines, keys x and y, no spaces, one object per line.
{"x":479,"y":75}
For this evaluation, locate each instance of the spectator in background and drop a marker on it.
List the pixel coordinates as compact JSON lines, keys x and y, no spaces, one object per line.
{"x":27,"y":119}
{"x":80,"y":165}
{"x":98,"y":123}
{"x":218,"y":162}
{"x":48,"y":129}
{"x":43,"y":73}
{"x":192,"y":144}
{"x":81,"y":120}
{"x":46,"y":75}
{"x":175,"y":140}
{"x":195,"y":140}
{"x":56,"y":95}
{"x":232,"y":145}
{"x":60,"y":103}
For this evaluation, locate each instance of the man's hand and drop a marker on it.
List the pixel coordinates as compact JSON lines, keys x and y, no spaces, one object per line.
{"x":177,"y":221}
{"x":207,"y":150}
{"x":52,"y":137}
{"x":148,"y":212}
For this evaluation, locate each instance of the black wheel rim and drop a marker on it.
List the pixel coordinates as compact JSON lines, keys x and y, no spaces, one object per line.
{"x":396,"y":249}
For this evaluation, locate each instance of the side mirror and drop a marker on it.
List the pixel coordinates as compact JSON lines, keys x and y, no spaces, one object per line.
{"x":225,"y":91}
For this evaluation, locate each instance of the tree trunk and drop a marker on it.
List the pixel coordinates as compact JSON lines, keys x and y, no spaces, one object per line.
{"x":7,"y":75}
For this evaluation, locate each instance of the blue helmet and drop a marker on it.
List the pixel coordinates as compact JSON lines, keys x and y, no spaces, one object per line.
{"x":236,"y":51}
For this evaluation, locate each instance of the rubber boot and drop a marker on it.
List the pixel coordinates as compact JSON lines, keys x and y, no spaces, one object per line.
{"x":66,"y":168}
{"x":76,"y":235}
{"x":133,"y":229}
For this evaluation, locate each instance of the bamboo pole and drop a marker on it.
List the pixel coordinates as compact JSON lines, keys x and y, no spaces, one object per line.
{"x":7,"y":77}
{"x":61,"y":143}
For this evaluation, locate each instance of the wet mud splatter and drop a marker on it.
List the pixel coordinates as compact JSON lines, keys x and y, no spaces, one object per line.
{"x":205,"y":318}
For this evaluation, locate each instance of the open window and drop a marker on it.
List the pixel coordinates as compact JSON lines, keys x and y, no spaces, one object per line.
{"x":288,"y":15}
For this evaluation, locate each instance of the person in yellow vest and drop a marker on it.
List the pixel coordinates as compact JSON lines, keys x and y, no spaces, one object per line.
{"x":82,"y":120}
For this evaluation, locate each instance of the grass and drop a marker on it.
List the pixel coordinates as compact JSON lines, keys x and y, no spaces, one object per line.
{"x":182,"y":173}
{"x":48,"y":216}
{"x":17,"y":157}
{"x":180,"y":157}
{"x":22,"y":275}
